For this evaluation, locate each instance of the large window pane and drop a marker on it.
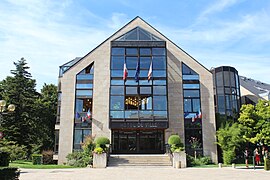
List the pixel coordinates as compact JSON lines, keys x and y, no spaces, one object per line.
{"x":118,"y":51}
{"x":226,"y":78}
{"x":158,"y":51}
{"x":145,"y":82}
{"x":160,"y":102}
{"x":221,"y":102}
{"x":117,"y":89}
{"x":145,"y":51}
{"x":117,"y":114}
{"x":131,"y":90}
{"x":187,"y":105}
{"x":131,"y":62}
{"x":145,"y":103}
{"x":191,"y":86}
{"x":132,"y":114}
{"x":117,"y":62}
{"x":191,"y":93}
{"x":145,"y":62}
{"x":84,"y":76}
{"x":219,"y":79}
{"x":146,"y":114}
{"x":190,"y":77}
{"x":159,"y":90}
{"x":84,"y":92}
{"x":131,"y":102}
{"x":131,"y":51}
{"x":145,"y":90}
{"x":78,"y":136}
{"x":84,"y":86}
{"x":144,"y":73}
{"x":159,"y":73}
{"x":160,"y":114}
{"x":117,"y":102}
{"x":131,"y":82}
{"x":117,"y":73}
{"x":196,"y":105}
{"x":117,"y":82}
{"x":159,"y":82}
{"x":159,"y":62}
{"x":232,"y":79}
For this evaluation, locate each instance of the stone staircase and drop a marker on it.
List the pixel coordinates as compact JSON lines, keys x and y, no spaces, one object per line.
{"x":159,"y":160}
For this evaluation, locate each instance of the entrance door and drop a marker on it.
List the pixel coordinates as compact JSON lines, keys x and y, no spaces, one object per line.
{"x":138,"y":142}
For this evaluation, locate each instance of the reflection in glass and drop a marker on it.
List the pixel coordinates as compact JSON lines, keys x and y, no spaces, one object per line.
{"x":117,"y":102}
{"x":117,"y":114}
{"x":117,"y":90}
{"x":160,"y":102}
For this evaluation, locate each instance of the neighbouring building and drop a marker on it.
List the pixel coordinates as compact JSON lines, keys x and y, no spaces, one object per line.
{"x":253,"y":90}
{"x":165,"y":91}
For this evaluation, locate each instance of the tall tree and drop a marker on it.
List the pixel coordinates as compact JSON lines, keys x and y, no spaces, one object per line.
{"x":46,"y":106}
{"x":19,"y":90}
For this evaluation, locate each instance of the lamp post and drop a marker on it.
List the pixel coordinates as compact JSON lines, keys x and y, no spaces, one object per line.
{"x":3,"y":110}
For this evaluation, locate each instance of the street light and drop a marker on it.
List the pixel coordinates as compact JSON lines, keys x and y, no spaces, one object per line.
{"x":10,"y":109}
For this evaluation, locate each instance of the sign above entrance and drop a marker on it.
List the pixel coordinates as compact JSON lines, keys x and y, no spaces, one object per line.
{"x":139,"y":125}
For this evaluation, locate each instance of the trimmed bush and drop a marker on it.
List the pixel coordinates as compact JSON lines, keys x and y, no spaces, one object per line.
{"x":47,"y":157}
{"x":4,"y":158}
{"x":175,"y":143}
{"x":102,"y":141}
{"x":36,"y":159}
{"x":174,"y":139}
{"x":98,"y":150}
{"x":8,"y":173}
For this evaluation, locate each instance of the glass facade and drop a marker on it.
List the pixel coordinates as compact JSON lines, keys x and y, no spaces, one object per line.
{"x":192,"y":110}
{"x":227,"y":92}
{"x":83,"y":106}
{"x":141,"y":99}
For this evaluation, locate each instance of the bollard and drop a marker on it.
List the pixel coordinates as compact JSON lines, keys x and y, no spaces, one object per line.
{"x":233,"y":165}
{"x":220,"y":165}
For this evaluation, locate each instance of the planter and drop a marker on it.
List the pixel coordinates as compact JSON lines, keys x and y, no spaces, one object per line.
{"x":179,"y":160}
{"x":267,"y":164}
{"x":100,"y":160}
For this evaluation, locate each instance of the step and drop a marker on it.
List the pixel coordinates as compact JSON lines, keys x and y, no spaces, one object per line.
{"x":161,"y":160}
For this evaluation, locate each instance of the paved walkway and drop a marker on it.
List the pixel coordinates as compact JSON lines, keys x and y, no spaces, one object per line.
{"x":115,"y":173}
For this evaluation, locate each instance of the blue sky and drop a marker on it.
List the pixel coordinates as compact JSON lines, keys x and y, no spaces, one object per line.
{"x":215,"y":32}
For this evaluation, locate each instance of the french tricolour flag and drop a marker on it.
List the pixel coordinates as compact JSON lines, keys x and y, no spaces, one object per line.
{"x":88,"y":113}
{"x":125,"y":72}
{"x":150,"y":72}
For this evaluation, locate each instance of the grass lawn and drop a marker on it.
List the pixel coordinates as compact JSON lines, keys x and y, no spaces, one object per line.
{"x":29,"y":165}
{"x":223,"y":165}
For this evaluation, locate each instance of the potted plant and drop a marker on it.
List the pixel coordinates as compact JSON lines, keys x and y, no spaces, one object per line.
{"x":177,"y":149}
{"x":100,"y":152}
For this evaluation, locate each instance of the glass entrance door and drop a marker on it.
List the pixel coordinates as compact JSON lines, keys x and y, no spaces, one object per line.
{"x":138,"y":142}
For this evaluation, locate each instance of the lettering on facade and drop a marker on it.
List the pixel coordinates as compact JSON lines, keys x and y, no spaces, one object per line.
{"x":140,"y":125}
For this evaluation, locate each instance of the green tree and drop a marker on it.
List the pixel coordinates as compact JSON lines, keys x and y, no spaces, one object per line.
{"x":254,"y":122}
{"x":45,"y":114}
{"x":20,"y":91}
{"x":229,"y":139}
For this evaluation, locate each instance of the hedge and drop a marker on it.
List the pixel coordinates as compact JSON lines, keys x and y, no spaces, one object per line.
{"x":4,"y":158}
{"x":36,"y":159}
{"x":9,"y":173}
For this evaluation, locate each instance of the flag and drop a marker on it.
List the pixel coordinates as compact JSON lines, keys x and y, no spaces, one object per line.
{"x":83,"y":119}
{"x":186,"y":114}
{"x":125,"y":72}
{"x":77,"y":116}
{"x":199,"y":115}
{"x":137,"y":74}
{"x":88,"y":114}
{"x":193,"y":118}
{"x":150,"y":72}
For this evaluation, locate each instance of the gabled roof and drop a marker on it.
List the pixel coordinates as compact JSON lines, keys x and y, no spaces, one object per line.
{"x":139,"y":31}
{"x":138,"y":34}
{"x":258,"y":88}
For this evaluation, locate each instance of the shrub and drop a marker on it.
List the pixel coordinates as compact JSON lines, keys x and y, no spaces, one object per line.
{"x":36,"y":159}
{"x":16,"y":151}
{"x":88,"y":145}
{"x":228,"y":156}
{"x":102,"y":142}
{"x":175,"y":143}
{"x":267,"y":164}
{"x":98,"y":150}
{"x":4,"y":158}
{"x":203,"y":160}
{"x":174,"y":139}
{"x":47,"y":157}
{"x":8,"y":173}
{"x":78,"y":159}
